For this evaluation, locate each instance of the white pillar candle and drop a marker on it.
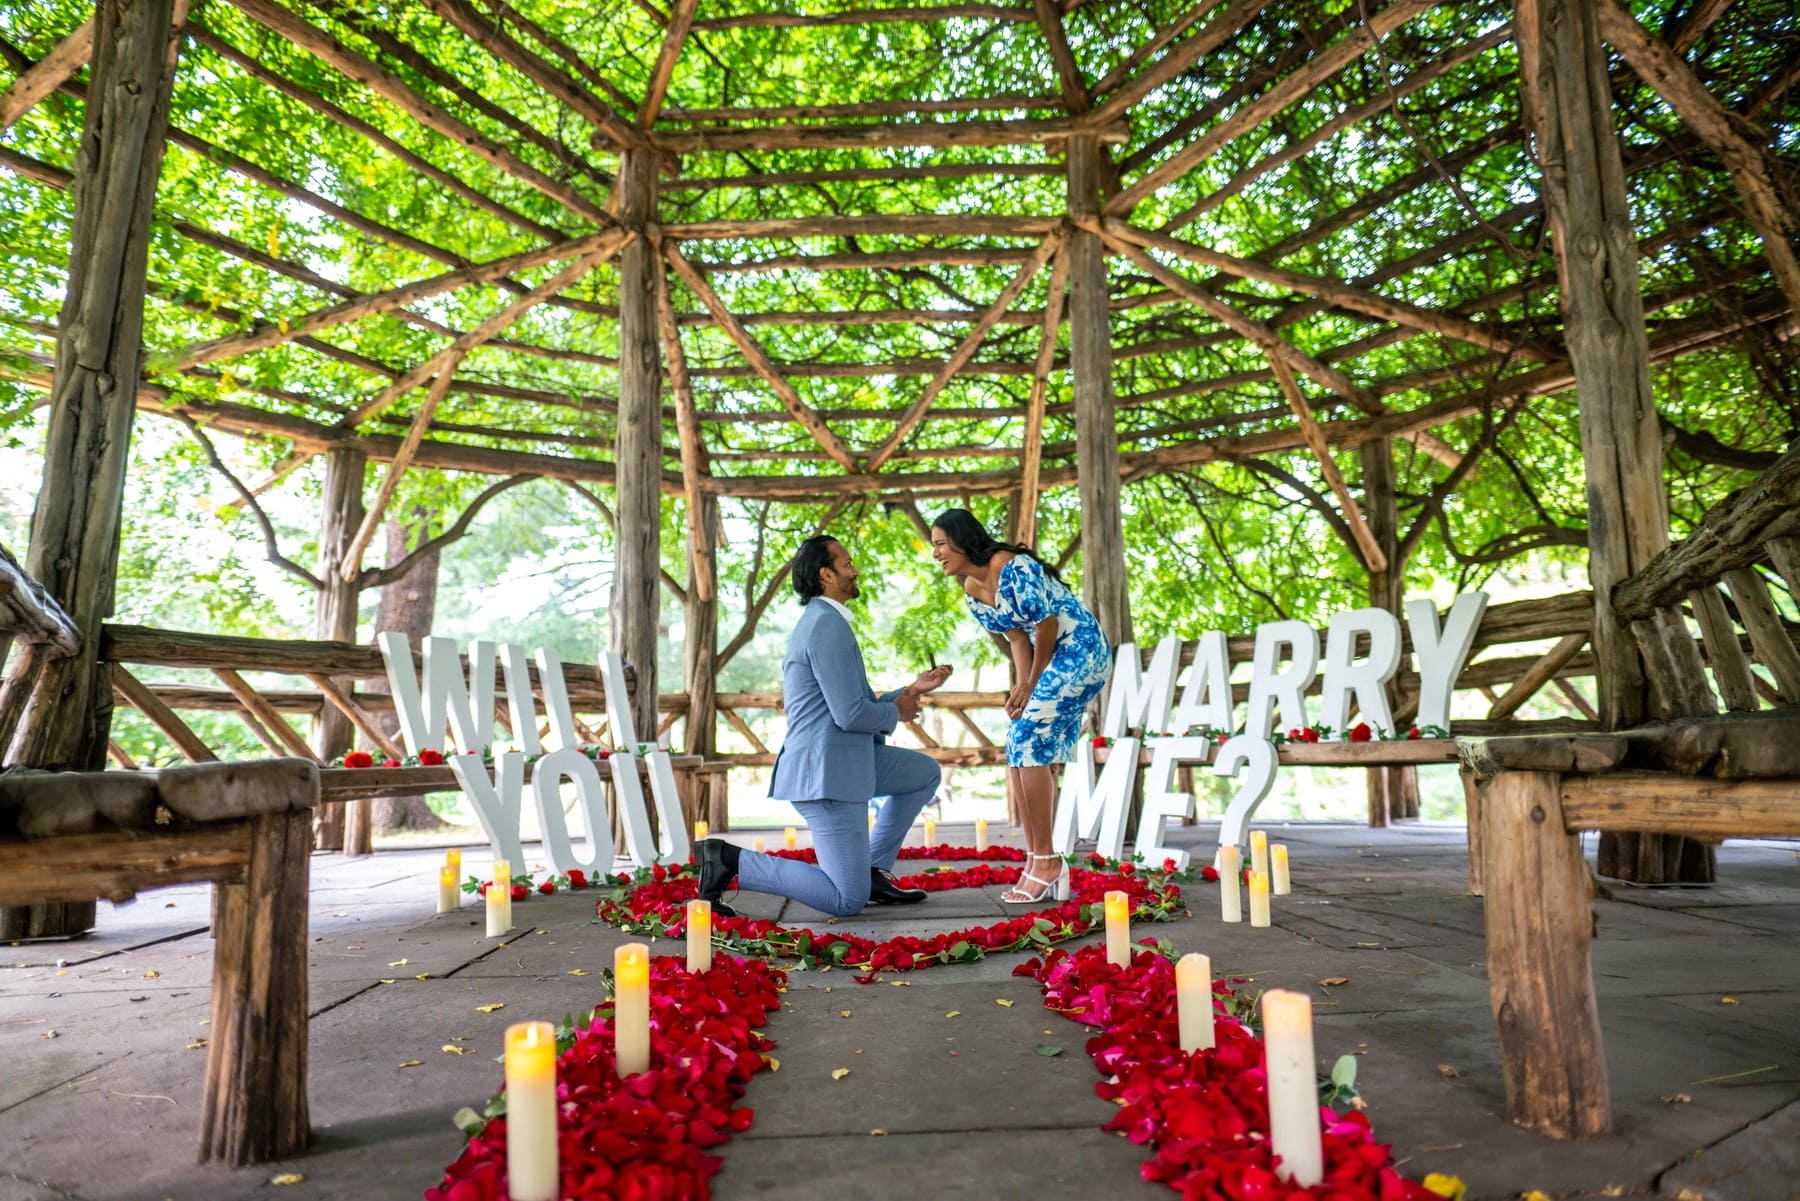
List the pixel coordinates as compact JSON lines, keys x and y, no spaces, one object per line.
{"x":701,"y":829}
{"x":981,"y":843}
{"x":453,"y":861}
{"x":448,"y":902}
{"x":1293,"y":1086}
{"x":531,"y":1169}
{"x":503,"y":882}
{"x":1231,"y":906}
{"x":631,"y":1008}
{"x":792,"y":836}
{"x":1193,"y":1001}
{"x":699,"y":935}
{"x":930,"y":831}
{"x":759,"y":844}
{"x":1282,"y":883}
{"x":1259,"y":900}
{"x":496,"y":912}
{"x":1259,"y":852}
{"x":1118,"y":929}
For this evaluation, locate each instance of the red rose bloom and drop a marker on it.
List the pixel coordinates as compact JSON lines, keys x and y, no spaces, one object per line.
{"x":1413,"y":733}
{"x":577,"y":878}
{"x":605,"y":754}
{"x":390,"y":763}
{"x":1360,"y":732}
{"x":359,"y":759}
{"x":430,"y":758}
{"x":484,"y":887}
{"x":1210,"y":874}
{"x":520,"y":892}
{"x":547,"y":887}
{"x":1100,"y":740}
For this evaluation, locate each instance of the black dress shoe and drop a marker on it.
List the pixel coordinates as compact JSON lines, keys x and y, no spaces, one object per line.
{"x":718,"y":861}
{"x":883,"y":890}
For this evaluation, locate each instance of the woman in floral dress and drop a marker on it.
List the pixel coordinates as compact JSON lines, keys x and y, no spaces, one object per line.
{"x":1060,"y":660}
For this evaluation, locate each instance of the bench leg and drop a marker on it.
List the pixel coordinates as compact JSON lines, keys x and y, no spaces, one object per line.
{"x":255,"y":1105}
{"x":1540,"y":930}
{"x":1472,"y":822}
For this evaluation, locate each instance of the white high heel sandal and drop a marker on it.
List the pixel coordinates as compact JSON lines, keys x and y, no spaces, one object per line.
{"x":1016,"y":895}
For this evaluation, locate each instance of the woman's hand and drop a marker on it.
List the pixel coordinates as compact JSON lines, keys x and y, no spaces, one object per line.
{"x":1017,"y":699}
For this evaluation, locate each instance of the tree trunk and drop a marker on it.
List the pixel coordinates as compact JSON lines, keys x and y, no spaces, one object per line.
{"x":407,"y":607}
{"x":1393,"y":792}
{"x":1568,"y":103}
{"x":637,"y":570}
{"x":75,"y":527}
{"x":700,"y":654}
{"x":334,"y":617}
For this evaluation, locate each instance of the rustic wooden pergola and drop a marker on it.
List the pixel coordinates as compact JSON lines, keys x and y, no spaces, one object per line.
{"x":1095,"y":303}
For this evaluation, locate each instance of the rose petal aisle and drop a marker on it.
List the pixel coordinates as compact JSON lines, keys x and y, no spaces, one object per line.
{"x":1206,"y":1113}
{"x":653,"y":902}
{"x":646,"y":1136}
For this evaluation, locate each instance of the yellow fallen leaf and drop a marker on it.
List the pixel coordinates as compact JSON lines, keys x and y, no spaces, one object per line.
{"x":580,"y":971}
{"x":843,"y":1013}
{"x":196,"y":1044}
{"x":398,"y":963}
{"x":1676,"y":1098}
{"x":1331,"y":981}
{"x":1448,"y":1072}
{"x":287,"y":1178}
{"x":1449,"y":1187}
{"x":839,"y":1073}
{"x":490,"y":1008}
{"x":1533,"y":1195}
{"x":410,"y":1063}
{"x":877,"y":1131}
{"x":774,"y":1063}
{"x":152,"y":974}
{"x":1003,"y":1001}
{"x":901,"y":983}
{"x":1728,"y":1000}
{"x":453,"y":1049}
{"x":390,"y":981}
{"x":423,"y":976}
{"x":953,"y":1013}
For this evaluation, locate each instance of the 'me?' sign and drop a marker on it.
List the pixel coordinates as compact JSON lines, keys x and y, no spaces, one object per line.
{"x":442,"y":702}
{"x":1144,"y":702}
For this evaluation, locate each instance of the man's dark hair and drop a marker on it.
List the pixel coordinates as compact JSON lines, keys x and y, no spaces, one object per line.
{"x":813,"y":557}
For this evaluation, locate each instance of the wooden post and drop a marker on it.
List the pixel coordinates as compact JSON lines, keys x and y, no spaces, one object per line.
{"x":1472,"y":815}
{"x":699,"y":654}
{"x":1540,"y":929}
{"x":255,"y":1105}
{"x":334,"y":619}
{"x":93,"y":396}
{"x":1096,"y":439}
{"x":638,"y":567}
{"x":1567,"y":100}
{"x":1393,"y":791}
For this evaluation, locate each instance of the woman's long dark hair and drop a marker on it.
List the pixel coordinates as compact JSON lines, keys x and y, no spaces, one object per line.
{"x":971,"y":538}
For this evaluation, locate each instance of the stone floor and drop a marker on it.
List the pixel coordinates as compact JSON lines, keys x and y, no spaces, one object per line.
{"x":1699,"y":998}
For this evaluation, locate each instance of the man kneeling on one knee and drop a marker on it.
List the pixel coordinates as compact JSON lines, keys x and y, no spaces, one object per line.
{"x":834,"y":760}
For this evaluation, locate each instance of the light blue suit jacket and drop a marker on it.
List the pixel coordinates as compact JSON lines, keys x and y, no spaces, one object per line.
{"x":834,"y":719}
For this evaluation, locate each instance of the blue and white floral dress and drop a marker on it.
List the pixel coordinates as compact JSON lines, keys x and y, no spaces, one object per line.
{"x":1024,"y":595}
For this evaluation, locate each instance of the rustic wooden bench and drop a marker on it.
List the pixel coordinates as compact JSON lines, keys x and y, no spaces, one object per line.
{"x":247,"y":828}
{"x":1735,"y":775}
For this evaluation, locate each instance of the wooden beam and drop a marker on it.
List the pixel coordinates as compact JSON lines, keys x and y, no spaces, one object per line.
{"x":288,"y":739}
{"x":46,"y":75}
{"x":681,"y":19}
{"x":1540,"y":673}
{"x":1294,"y":87}
{"x":747,"y":114}
{"x":386,"y":84}
{"x":960,"y":357}
{"x":1031,"y":447}
{"x":492,"y":37}
{"x":505,"y":15}
{"x":948,"y":256}
{"x":1740,"y":145}
{"x":1768,"y":635}
{"x":1121,"y":96}
{"x":1374,"y":559}
{"x":868,"y":16}
{"x":1356,"y":300}
{"x":1724,"y":653}
{"x":350,"y":568}
{"x":694,"y":467}
{"x":759,"y":360}
{"x":118,"y":865}
{"x":1699,"y":806}
{"x":1068,"y":72}
{"x":632,"y":620}
{"x":359,"y":716}
{"x":134,"y":693}
{"x":600,"y":245}
{"x":1165,"y":34}
{"x":444,"y":361}
{"x":1023,"y":131}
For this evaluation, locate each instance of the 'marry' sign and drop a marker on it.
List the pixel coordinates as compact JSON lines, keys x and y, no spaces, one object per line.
{"x":442,"y":701}
{"x":1283,"y":665}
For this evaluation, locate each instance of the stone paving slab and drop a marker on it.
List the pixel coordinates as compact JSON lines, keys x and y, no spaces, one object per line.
{"x":1761,"y":1163}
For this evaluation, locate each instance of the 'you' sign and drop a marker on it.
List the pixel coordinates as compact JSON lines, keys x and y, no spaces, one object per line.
{"x":442,"y":702}
{"x":1146,"y":708}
